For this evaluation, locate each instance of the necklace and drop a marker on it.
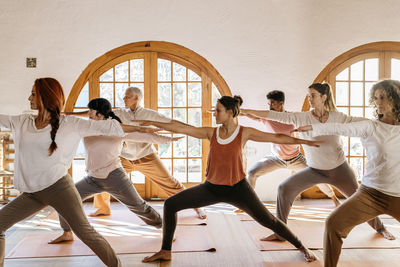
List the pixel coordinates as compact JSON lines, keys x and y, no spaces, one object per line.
{"x":319,"y":118}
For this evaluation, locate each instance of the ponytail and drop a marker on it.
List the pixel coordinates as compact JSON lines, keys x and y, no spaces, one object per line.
{"x":325,"y":89}
{"x":55,"y":123}
{"x":113,"y":116}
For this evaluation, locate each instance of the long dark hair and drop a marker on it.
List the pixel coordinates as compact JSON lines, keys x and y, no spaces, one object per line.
{"x":231,"y":103}
{"x":50,"y":97}
{"x":103,"y":106}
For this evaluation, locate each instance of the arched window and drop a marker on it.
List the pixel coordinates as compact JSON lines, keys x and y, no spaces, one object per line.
{"x":175,"y":81}
{"x":351,"y":76}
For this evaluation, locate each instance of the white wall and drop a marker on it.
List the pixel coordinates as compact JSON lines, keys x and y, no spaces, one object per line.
{"x":256,"y":45}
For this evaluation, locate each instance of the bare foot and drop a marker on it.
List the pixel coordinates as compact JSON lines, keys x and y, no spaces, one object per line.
{"x":162,"y":255}
{"x":238,"y":211}
{"x":100,"y":212}
{"x":386,"y":234}
{"x":308,"y":254}
{"x":65,"y":237}
{"x":200,"y":213}
{"x":272,"y":237}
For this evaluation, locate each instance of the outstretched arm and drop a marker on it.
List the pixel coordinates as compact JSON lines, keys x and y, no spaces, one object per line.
{"x":254,"y":112}
{"x":362,"y":128}
{"x":132,"y":128}
{"x":179,"y":127}
{"x":84,"y":113}
{"x":259,"y":136}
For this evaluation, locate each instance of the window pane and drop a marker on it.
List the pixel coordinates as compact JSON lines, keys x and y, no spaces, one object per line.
{"x":165,"y":150}
{"x":395,"y":72}
{"x":344,"y":110}
{"x":194,"y":94}
{"x":80,"y":152}
{"x":179,"y":72}
{"x":357,"y":165}
{"x":78,"y":170}
{"x":166,"y":112}
{"x":370,"y":113}
{"x":164,"y":94}
{"x":121,"y":72}
{"x":180,"y":114}
{"x":356,"y":93}
{"x":179,"y":94}
{"x":179,"y":146}
{"x":213,"y":122}
{"x":119,"y":94}
{"x":83,"y":98}
{"x":180,"y":170}
{"x":137,"y":177}
{"x":368,"y":87}
{"x":193,"y":76}
{"x":342,"y":94}
{"x":344,"y":75}
{"x":164,"y":70}
{"x":356,"y":71}
{"x":356,"y":148}
{"x":137,"y":70}
{"x":107,"y":92}
{"x":194,"y":147}
{"x":194,"y":116}
{"x":371,"y":69}
{"x":107,"y":76}
{"x":194,"y":170}
{"x":356,"y":112}
{"x":215,"y":95}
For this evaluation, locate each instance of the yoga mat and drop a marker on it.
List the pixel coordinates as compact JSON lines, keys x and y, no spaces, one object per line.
{"x":126,"y":217}
{"x":311,"y":234}
{"x":319,"y":263}
{"x":188,"y":239}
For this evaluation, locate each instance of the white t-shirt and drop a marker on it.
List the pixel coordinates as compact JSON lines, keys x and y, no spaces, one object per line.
{"x":34,"y":169}
{"x":330,"y":154}
{"x":135,"y":150}
{"x":382,"y":144}
{"x":102,"y":152}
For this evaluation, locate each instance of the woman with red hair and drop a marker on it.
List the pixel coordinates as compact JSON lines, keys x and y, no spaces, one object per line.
{"x":45,"y":146}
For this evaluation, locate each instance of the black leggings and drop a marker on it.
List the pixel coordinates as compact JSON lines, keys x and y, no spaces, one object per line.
{"x":240,"y":195}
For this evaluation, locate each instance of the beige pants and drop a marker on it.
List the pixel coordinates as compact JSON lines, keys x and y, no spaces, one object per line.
{"x":364,"y":205}
{"x":151,"y":167}
{"x":64,"y":198}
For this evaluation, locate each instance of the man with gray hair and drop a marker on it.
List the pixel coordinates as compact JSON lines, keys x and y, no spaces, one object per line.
{"x":141,"y":157}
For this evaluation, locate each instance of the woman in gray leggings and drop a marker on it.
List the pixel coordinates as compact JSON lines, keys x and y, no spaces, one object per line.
{"x":105,"y":172}
{"x":325,"y":165}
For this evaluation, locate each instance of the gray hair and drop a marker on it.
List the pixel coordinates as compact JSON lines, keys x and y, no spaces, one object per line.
{"x":135,"y":91}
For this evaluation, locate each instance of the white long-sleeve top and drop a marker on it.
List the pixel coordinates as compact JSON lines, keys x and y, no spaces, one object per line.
{"x":34,"y":169}
{"x":382,"y":144}
{"x":102,"y":152}
{"x":330,"y":154}
{"x":136,"y":150}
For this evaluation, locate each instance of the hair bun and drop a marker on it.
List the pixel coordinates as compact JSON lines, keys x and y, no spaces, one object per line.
{"x":239,"y":99}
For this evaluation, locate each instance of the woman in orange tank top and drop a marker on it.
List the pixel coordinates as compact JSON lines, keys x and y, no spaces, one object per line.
{"x":225,"y":175}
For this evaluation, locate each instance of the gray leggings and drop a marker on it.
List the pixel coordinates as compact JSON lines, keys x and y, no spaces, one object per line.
{"x":342,"y":177}
{"x":118,"y":185}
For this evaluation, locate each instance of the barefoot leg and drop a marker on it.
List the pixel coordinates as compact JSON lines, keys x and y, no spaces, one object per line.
{"x":162,"y":255}
{"x":65,"y":237}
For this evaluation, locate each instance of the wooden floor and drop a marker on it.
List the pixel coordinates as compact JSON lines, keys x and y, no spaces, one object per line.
{"x":233,"y":243}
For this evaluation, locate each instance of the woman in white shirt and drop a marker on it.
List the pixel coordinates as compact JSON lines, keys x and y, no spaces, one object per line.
{"x":379,"y":192}
{"x":45,"y":146}
{"x":105,"y":172}
{"x":327,"y":165}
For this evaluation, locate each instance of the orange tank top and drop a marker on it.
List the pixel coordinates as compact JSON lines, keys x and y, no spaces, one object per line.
{"x":225,"y":159}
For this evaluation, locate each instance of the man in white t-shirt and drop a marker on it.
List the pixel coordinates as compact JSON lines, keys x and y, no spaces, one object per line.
{"x":141,"y":157}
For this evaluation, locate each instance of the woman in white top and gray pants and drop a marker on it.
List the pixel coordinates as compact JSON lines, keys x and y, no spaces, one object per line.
{"x":380,"y":189}
{"x":45,"y":146}
{"x":105,"y":172}
{"x":326,"y":165}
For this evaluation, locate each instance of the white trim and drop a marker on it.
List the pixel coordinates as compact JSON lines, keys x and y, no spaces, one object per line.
{"x":229,"y":139}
